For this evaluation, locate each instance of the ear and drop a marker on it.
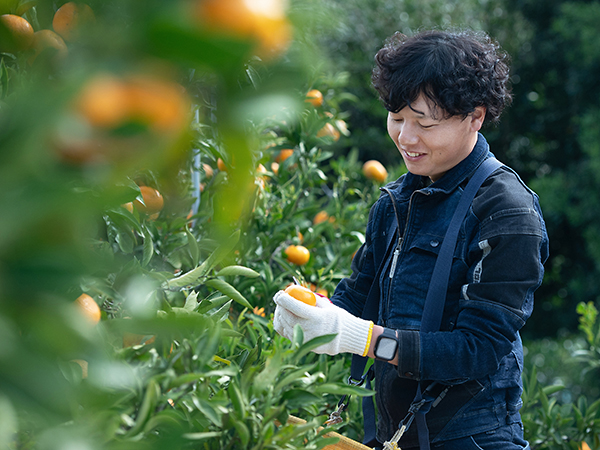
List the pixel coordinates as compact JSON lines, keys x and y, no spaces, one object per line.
{"x":477,"y":118}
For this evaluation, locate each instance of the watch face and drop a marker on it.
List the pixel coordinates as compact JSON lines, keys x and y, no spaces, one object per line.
{"x":386,"y":348}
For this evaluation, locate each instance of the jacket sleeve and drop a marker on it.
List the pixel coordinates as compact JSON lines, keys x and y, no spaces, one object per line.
{"x":494,"y":304}
{"x":351,"y":293}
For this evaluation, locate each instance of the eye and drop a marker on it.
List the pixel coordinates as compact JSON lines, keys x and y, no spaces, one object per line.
{"x":427,"y":126}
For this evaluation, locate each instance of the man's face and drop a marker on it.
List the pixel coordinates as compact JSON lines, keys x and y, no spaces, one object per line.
{"x":429,"y":143}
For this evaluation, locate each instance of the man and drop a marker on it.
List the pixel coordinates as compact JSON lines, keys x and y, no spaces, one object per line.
{"x":439,"y":88}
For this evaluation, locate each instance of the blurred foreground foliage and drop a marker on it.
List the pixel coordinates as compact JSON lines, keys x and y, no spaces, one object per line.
{"x":206,"y":109}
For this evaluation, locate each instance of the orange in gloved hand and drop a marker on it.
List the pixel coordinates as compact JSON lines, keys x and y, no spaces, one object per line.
{"x":301,"y":293}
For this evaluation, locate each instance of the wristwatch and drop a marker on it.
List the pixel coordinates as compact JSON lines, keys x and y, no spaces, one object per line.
{"x":386,"y":345}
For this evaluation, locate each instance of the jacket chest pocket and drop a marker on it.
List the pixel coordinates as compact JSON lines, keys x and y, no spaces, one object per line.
{"x":406,"y":287}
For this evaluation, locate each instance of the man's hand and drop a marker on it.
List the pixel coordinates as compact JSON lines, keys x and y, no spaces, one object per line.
{"x":353,"y":334}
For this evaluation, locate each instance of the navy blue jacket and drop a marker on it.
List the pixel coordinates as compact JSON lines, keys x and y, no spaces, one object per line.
{"x":497,"y":266}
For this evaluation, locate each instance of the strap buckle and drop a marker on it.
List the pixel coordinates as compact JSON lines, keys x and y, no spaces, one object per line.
{"x":336,"y":416}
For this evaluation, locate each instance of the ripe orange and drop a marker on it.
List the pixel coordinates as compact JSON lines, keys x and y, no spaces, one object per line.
{"x":323,"y":292}
{"x":584,"y":446}
{"x":208,"y":170}
{"x":109,"y":101}
{"x":153,"y":201}
{"x":90,"y":309}
{"x":160,"y":103}
{"x":71,"y":18}
{"x":297,"y":254}
{"x":104,"y":101}
{"x":48,"y":41}
{"x":16,"y":34}
{"x":283,"y":155}
{"x":302,"y":294}
{"x":128,"y":206}
{"x":320,"y":217}
{"x":275,"y":168}
{"x":329,"y":131}
{"x":314,"y":97}
{"x":221,"y":165}
{"x":263,"y":21}
{"x":374,"y":170}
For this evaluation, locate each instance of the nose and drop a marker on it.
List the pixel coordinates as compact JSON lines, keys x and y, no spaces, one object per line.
{"x":407,"y":134}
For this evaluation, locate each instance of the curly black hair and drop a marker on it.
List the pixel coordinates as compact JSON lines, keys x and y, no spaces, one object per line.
{"x":456,"y":70}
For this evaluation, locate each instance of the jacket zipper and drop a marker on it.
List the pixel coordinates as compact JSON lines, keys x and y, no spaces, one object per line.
{"x":398,"y":248}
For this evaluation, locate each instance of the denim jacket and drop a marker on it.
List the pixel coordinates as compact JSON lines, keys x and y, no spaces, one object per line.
{"x":497,"y":266}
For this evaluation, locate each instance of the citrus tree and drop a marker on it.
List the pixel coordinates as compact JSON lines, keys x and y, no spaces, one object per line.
{"x":165,"y":170}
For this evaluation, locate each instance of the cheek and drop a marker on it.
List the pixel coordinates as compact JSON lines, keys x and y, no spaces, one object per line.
{"x":392,"y":130}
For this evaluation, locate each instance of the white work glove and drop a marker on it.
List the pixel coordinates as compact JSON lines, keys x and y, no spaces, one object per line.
{"x":353,"y":334}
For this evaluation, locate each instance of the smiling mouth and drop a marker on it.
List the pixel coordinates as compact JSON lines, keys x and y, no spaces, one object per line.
{"x":412,"y":154}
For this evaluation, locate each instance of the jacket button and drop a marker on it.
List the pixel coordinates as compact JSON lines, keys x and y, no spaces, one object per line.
{"x":409,"y":374}
{"x":434,"y":243}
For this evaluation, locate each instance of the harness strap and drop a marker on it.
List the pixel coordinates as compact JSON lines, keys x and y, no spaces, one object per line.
{"x":432,"y":312}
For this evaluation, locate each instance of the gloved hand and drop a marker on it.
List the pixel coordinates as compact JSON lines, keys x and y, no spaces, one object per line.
{"x":353,"y":334}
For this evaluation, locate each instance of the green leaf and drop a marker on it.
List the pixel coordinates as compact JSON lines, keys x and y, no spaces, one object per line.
{"x":297,"y":398}
{"x":228,"y":290}
{"x":207,"y":409}
{"x":238,"y":271}
{"x":148,"y":247}
{"x":193,"y":276}
{"x":314,"y":343}
{"x":222,"y":313}
{"x":4,"y":78}
{"x":8,"y":422}
{"x":338,"y":389}
{"x":202,"y":436}
{"x":193,"y":247}
{"x":191,"y":302}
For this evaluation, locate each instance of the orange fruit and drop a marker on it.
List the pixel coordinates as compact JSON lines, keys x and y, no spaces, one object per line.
{"x":221,"y":165}
{"x":128,"y":206}
{"x":302,"y":294}
{"x":283,"y":155}
{"x":323,"y":292}
{"x":208,"y":170}
{"x":262,"y":21}
{"x":89,"y":308}
{"x":314,"y":97}
{"x":162,"y":104}
{"x":329,"y":131}
{"x":297,"y":254}
{"x":71,"y":18}
{"x":374,"y":170}
{"x":109,"y":101}
{"x":48,"y":41}
{"x":275,"y":168}
{"x":584,"y":446}
{"x":153,"y":201}
{"x":104,"y":101}
{"x":16,"y":34}
{"x":320,"y":217}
